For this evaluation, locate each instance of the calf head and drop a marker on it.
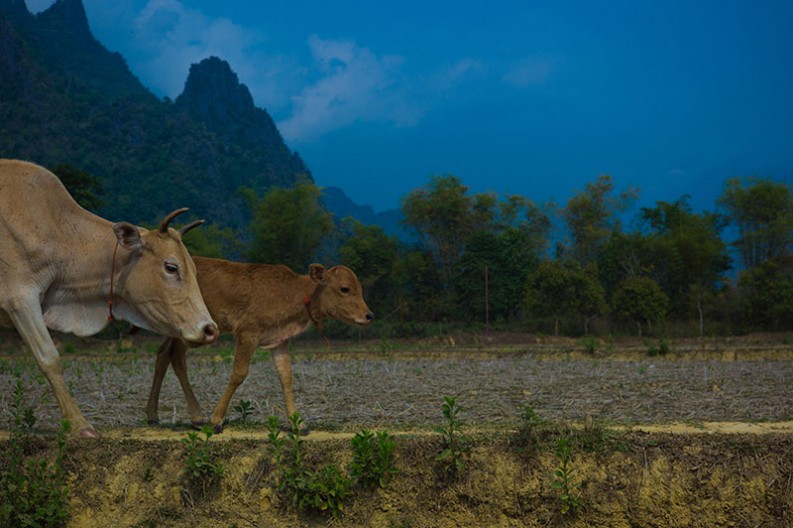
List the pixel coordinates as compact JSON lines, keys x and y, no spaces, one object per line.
{"x":338,"y":295}
{"x":158,"y":284}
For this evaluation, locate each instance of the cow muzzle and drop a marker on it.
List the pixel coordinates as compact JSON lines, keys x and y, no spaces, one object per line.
{"x":207,"y":335}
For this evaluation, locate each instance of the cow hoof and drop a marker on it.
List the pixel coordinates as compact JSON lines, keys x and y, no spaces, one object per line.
{"x":218,"y":428}
{"x":86,"y":432}
{"x":153,"y":421}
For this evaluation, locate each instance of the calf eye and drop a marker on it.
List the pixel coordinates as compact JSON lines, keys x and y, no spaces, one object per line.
{"x":345,"y":289}
{"x":171,"y":268}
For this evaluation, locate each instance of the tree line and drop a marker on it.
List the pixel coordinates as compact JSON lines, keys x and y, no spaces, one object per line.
{"x":573,"y":269}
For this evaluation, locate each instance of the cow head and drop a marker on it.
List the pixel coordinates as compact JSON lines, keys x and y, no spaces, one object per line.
{"x":338,"y":295}
{"x":157,"y":287}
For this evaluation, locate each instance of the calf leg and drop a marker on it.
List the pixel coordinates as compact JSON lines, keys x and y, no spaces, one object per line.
{"x":179,"y":364}
{"x":174,"y":352}
{"x":283,"y":366}
{"x":30,"y":324}
{"x":160,"y":368}
{"x":242,"y":361}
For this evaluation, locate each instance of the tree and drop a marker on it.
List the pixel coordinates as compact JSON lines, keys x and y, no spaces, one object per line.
{"x":443,"y":217}
{"x":689,"y":258}
{"x":84,"y":188}
{"x":213,"y":241}
{"x":592,"y":216}
{"x":767,"y":297}
{"x":372,"y":254}
{"x":509,"y":261}
{"x":550,"y":292}
{"x":762,"y":210}
{"x":288,"y":226}
{"x":640,"y":299}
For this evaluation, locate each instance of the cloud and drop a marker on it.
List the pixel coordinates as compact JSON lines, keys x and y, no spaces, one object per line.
{"x":171,"y":37}
{"x":530,"y":71}
{"x":353,"y":84}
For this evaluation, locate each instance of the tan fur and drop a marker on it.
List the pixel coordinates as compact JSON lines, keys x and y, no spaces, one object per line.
{"x":263,"y":305}
{"x":55,"y":273}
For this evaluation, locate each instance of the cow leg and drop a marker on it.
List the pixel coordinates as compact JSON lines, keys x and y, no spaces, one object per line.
{"x":179,"y":364}
{"x":283,"y":365}
{"x":30,"y":325}
{"x":242,"y":361}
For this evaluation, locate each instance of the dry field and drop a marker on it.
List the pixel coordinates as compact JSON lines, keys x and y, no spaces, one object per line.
{"x":701,"y":436}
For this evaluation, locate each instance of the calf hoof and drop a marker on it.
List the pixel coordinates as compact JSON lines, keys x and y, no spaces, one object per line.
{"x":153,"y":421}
{"x":197,"y":424}
{"x":218,"y":428}
{"x":86,"y":432}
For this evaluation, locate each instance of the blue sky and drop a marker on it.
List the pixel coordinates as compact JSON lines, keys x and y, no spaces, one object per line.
{"x":530,"y":98}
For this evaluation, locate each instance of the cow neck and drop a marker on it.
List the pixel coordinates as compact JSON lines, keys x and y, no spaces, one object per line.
{"x":307,"y":304}
{"x":112,"y":277}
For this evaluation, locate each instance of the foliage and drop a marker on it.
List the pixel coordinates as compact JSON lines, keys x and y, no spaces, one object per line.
{"x":201,"y":467}
{"x":373,"y":459}
{"x":767,"y":296}
{"x":563,"y":482}
{"x":556,"y":290}
{"x":592,"y":215}
{"x":662,"y":349}
{"x":373,"y":255}
{"x":84,"y":188}
{"x":762,"y":210}
{"x":455,"y":448}
{"x":33,"y":491}
{"x":288,"y":226}
{"x":303,"y":489}
{"x":689,"y":258}
{"x":244,"y":408}
{"x":641,"y":300}
{"x":508,"y":259}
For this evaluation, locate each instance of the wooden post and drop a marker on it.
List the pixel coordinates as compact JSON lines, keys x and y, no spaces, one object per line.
{"x":487,"y":310}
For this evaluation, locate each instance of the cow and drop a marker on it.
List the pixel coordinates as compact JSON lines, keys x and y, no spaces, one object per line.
{"x":262,"y":305}
{"x":63,"y":268}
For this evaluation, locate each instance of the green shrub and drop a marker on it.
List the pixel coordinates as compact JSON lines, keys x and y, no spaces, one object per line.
{"x":33,"y":491}
{"x":244,"y":408}
{"x":201,"y":468}
{"x":455,"y":447}
{"x":563,"y":482}
{"x":320,"y":491}
{"x":372,"y":458}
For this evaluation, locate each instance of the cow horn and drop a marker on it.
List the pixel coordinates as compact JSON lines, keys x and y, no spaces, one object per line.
{"x":171,"y":216}
{"x":190,"y":226}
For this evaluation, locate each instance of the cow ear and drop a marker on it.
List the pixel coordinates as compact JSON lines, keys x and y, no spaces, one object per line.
{"x":128,"y":235}
{"x":317,"y":273}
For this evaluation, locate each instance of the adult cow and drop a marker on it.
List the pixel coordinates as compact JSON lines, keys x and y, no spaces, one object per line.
{"x":263,"y":305}
{"x":66,"y":269}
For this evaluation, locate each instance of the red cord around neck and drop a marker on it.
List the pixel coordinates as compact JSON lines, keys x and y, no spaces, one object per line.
{"x":318,"y":324}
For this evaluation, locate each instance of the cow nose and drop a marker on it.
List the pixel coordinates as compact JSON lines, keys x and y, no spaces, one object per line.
{"x":210,"y":333}
{"x":369,"y":316}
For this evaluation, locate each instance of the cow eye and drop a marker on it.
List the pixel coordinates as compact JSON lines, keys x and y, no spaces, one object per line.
{"x":171,"y":268}
{"x":345,"y":289}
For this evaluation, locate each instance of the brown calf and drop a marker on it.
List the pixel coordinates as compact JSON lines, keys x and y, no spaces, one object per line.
{"x":263,"y":305}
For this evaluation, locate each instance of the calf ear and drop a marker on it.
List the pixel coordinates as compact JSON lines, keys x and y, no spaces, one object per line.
{"x":316,"y":272}
{"x":128,"y":235}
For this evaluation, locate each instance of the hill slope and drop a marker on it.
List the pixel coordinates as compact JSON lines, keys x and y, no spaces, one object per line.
{"x":66,"y":99}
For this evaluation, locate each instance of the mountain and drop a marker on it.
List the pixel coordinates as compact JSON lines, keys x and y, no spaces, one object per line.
{"x":334,"y":200}
{"x":64,"y":98}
